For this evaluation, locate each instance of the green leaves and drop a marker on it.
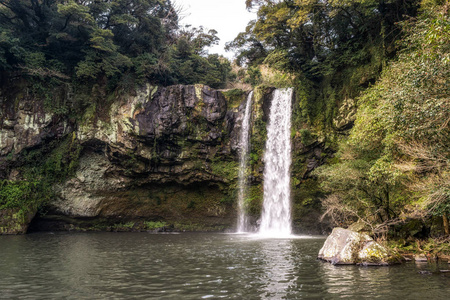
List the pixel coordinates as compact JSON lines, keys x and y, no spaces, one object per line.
{"x":75,"y":13}
{"x":105,"y":39}
{"x":15,"y":194}
{"x":397,"y":156}
{"x":101,"y":39}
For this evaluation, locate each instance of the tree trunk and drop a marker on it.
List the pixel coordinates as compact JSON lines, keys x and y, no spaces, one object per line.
{"x":445,"y":223}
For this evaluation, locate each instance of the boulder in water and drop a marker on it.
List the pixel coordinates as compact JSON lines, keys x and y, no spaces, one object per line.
{"x":347,"y":247}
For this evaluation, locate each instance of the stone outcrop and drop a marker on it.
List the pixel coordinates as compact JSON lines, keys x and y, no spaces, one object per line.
{"x":25,"y":124}
{"x":162,"y":153}
{"x":345,"y":247}
{"x":346,"y":116}
{"x":156,"y":154}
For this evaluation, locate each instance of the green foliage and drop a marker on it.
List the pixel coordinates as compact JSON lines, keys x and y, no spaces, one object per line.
{"x":329,"y":51}
{"x":395,"y":163}
{"x":253,"y":201}
{"x":225,"y":169}
{"x":305,"y":136}
{"x":39,"y":176}
{"x":190,"y":62}
{"x":254,"y":158}
{"x":151,"y":225}
{"x":19,"y":194}
{"x":319,"y":37}
{"x":123,"y":226}
{"x":254,"y":76}
{"x":97,"y":40}
{"x":431,"y":246}
{"x":60,"y":164}
{"x":234,"y":97}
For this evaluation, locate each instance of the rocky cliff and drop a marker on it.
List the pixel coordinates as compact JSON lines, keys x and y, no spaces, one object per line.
{"x":162,"y":156}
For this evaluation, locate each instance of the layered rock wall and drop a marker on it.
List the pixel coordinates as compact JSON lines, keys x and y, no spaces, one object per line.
{"x":162,"y":153}
{"x":158,"y":154}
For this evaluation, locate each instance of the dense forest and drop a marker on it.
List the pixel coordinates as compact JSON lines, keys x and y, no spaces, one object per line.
{"x":386,"y":60}
{"x":123,"y":42}
{"x":390,"y":58}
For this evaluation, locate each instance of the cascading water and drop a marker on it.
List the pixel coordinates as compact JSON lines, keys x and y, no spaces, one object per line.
{"x":242,"y":224}
{"x":276,"y":215}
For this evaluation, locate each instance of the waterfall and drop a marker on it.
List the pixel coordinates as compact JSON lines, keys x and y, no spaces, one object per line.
{"x":242,"y":223}
{"x":276,"y":215}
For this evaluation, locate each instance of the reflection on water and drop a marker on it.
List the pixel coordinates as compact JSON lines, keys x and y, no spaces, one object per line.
{"x":401,"y":281}
{"x":278,"y":274}
{"x":194,"y":266}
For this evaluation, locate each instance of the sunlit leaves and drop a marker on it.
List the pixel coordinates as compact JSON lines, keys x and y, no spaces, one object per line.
{"x":76,"y":13}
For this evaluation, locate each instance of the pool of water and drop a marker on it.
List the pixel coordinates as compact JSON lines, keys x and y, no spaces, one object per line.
{"x":196,"y":266}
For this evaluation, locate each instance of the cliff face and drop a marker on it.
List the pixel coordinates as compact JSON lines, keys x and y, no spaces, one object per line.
{"x":151,"y":157}
{"x":162,"y":154}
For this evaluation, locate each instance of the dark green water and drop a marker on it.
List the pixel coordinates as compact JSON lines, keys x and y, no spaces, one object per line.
{"x":195,"y":266}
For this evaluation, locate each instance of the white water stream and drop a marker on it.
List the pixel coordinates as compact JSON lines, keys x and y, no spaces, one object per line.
{"x":242,"y":224}
{"x":276,"y":215}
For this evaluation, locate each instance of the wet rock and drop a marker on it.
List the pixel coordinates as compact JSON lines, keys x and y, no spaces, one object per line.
{"x":345,"y":246}
{"x":359,"y":227}
{"x":15,"y":221}
{"x":311,"y":164}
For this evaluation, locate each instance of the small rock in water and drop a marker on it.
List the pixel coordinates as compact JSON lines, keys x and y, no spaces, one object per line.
{"x":420,"y":258}
{"x":425,"y":273}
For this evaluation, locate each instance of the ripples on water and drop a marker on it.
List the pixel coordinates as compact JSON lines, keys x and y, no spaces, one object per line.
{"x":194,"y":266}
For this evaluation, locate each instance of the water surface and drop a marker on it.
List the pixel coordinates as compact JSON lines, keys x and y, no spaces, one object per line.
{"x":195,"y":266}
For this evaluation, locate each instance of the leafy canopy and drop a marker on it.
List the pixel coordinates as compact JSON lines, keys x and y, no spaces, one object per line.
{"x":89,"y":40}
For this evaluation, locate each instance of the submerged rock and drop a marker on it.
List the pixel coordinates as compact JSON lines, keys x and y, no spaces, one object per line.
{"x":347,"y":247}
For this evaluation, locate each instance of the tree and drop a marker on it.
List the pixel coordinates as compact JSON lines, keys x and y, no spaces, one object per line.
{"x":105,"y":39}
{"x":401,"y":139}
{"x":191,"y":63}
{"x":320,"y":37}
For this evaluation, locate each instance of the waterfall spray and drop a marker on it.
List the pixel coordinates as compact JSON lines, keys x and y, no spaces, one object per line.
{"x":276,"y":215}
{"x":242,"y":223}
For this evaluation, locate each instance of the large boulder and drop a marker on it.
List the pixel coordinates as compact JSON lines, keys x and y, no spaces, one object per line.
{"x":347,"y":247}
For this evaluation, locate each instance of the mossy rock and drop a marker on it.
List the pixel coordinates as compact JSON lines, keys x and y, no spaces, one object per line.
{"x":15,"y":221}
{"x":234,"y":97}
{"x":359,"y":227}
{"x":346,"y":247}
